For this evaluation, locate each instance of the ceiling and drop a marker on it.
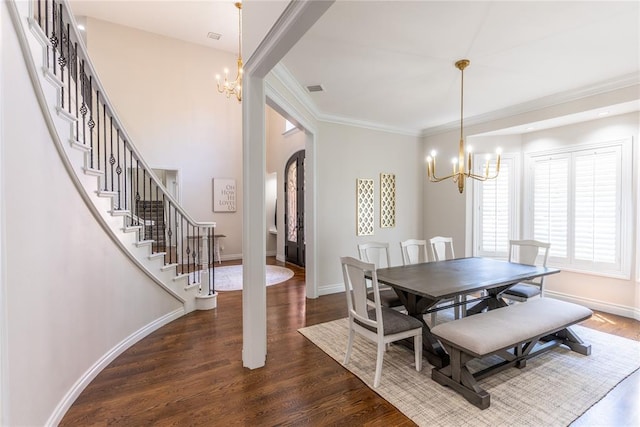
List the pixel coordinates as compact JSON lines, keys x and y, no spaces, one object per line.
{"x":389,"y":64}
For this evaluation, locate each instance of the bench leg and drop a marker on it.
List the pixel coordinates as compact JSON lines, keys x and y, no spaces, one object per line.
{"x":458,"y":377}
{"x":573,"y":341}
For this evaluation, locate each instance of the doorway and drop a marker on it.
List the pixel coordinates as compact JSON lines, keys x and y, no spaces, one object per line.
{"x":294,"y":249}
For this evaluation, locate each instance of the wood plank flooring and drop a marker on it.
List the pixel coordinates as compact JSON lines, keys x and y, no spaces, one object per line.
{"x":189,"y":373}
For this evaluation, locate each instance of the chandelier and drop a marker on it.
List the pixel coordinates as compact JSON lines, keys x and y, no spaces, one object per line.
{"x":462,"y":169}
{"x":234,"y":87}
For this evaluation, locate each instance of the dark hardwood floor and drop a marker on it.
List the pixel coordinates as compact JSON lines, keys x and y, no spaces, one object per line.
{"x":189,"y":373}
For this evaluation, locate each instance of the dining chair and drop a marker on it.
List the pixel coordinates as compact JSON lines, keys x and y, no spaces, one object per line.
{"x":377,"y":253}
{"x":442,"y":248}
{"x":414,"y":251}
{"x":530,"y":252}
{"x":379,"y":324}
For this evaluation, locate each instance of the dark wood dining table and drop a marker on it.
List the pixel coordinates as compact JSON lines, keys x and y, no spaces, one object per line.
{"x":422,"y":287}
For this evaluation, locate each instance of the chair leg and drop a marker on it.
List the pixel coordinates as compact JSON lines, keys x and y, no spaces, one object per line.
{"x":376,"y":378}
{"x":417,"y":344}
{"x":349,"y":345}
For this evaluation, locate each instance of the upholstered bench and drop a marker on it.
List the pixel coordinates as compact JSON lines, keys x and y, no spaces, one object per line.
{"x":514,"y":333}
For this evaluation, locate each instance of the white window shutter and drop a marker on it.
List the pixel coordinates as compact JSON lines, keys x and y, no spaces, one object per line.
{"x":597,"y":202}
{"x":550,"y":203}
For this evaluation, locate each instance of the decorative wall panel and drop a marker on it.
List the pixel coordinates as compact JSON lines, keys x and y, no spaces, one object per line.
{"x":387,"y":200}
{"x":365,"y":207}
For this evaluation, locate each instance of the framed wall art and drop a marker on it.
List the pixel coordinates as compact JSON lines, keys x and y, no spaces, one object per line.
{"x":387,"y":200}
{"x":365,"y":216}
{"x":224,"y":195}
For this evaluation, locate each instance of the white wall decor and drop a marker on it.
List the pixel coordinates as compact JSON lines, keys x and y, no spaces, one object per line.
{"x":365,"y":207}
{"x":224,"y":195}
{"x":387,"y":200}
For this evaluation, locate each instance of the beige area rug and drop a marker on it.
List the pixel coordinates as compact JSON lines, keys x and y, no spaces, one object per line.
{"x":229,"y":278}
{"x":553,"y":389}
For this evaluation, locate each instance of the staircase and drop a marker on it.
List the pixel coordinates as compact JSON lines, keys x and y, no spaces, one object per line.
{"x":118,"y":186}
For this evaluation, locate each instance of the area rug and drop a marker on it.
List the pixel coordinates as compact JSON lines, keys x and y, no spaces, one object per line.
{"x":553,"y":389}
{"x":229,"y":278}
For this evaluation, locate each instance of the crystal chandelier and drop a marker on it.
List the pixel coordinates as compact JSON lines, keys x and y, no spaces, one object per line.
{"x":234,"y":87}
{"x":462,"y":169}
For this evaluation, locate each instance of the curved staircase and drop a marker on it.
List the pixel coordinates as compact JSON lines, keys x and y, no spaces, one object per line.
{"x":118,"y":186}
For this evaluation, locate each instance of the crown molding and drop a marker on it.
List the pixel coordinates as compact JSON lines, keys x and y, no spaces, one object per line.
{"x":368,"y":125}
{"x":281,"y":73}
{"x":621,"y":82}
{"x":284,"y":76}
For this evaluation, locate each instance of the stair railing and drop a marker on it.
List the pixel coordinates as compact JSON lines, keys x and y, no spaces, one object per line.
{"x":137,"y":192}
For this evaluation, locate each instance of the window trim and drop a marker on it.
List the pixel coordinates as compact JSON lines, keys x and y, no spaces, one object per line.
{"x":623,"y":269}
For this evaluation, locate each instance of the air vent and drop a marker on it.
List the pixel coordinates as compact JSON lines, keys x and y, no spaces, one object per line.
{"x":315,"y":88}
{"x":214,"y":36}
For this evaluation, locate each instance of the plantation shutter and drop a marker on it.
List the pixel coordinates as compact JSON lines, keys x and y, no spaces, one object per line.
{"x":597,"y":205}
{"x":495,"y":222}
{"x":550,"y":203}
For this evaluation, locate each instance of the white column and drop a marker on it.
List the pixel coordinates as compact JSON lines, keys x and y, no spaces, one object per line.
{"x":254,"y":293}
{"x":295,"y":20}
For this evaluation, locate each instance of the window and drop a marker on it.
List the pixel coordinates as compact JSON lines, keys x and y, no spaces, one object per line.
{"x":289,"y":127}
{"x":579,"y":201}
{"x":495,"y":207}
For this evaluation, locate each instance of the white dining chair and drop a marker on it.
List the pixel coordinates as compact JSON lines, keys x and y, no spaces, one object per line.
{"x":442,"y":249}
{"x":377,"y":253}
{"x":379,"y":324}
{"x":414,"y":251}
{"x":530,"y":252}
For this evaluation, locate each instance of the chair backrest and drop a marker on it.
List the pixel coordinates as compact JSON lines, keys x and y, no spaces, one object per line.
{"x":440,"y":246}
{"x":414,"y":251}
{"x":376,"y":253}
{"x":529,"y":252}
{"x":355,"y":282}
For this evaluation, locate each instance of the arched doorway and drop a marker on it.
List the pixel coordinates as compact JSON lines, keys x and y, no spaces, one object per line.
{"x":294,"y":247}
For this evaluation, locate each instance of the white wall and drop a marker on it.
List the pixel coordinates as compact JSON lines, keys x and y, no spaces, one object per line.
{"x":346,"y":153}
{"x":164,"y":90}
{"x":71,"y":295}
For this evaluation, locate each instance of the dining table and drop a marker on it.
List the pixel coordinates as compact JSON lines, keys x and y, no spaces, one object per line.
{"x":475,"y":282}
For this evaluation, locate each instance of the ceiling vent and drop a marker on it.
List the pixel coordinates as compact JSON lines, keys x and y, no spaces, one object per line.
{"x":214,"y":36}
{"x":315,"y":88}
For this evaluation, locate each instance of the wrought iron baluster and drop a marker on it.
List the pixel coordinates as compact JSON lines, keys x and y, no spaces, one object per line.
{"x":118,"y":167}
{"x":112,"y":158}
{"x":137,"y":192}
{"x":123,"y":172}
{"x":77,"y":93}
{"x":53,"y":38}
{"x":91,"y":123}
{"x":62,"y":59}
{"x":104,"y":147}
{"x":83,"y":110}
{"x":169,"y":231}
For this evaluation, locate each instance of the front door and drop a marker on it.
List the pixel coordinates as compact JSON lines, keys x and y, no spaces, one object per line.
{"x":294,"y":209}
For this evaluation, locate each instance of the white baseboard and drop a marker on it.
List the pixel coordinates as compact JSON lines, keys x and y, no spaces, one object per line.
{"x":620,"y":310}
{"x":330,"y":289}
{"x":102,"y":363}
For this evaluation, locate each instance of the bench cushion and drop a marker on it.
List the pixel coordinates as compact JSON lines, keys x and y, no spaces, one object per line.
{"x":523,"y":290}
{"x":485,"y":333}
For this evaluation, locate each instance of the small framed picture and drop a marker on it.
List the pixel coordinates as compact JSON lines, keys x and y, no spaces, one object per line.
{"x":224,"y":195}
